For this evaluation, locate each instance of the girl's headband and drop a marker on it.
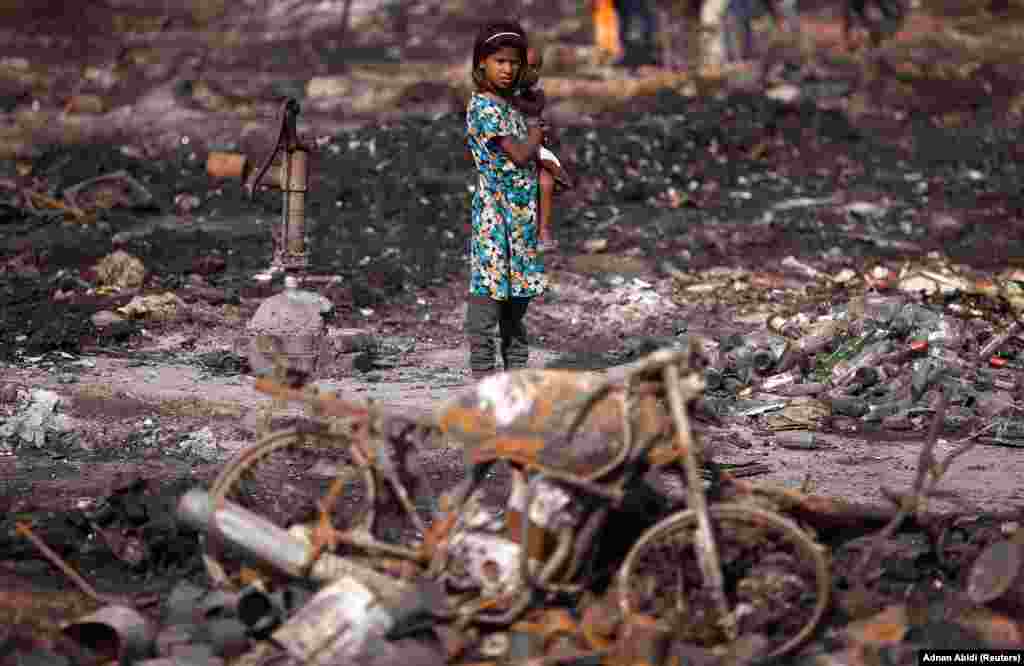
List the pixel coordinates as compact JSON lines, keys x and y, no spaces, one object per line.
{"x":503,"y":34}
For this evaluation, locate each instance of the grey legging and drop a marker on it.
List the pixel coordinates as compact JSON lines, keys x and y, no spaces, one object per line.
{"x":482,"y":315}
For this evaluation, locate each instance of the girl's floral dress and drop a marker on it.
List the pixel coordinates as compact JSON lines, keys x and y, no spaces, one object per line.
{"x":504,"y":261}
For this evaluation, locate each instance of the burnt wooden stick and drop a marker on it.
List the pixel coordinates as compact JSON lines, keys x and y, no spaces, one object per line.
{"x":820,"y":511}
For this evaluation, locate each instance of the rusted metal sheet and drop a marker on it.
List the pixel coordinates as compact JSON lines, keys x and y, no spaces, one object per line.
{"x":515,"y":416}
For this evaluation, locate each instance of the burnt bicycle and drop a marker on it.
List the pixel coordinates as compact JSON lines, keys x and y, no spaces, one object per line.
{"x":572,"y":514}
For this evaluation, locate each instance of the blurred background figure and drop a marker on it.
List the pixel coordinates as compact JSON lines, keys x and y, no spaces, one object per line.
{"x":738,"y":33}
{"x":606,"y":30}
{"x":713,"y":13}
{"x":625,"y":32}
{"x":858,"y":12}
{"x":638,"y":32}
{"x":687,"y":33}
{"x":678,"y":33}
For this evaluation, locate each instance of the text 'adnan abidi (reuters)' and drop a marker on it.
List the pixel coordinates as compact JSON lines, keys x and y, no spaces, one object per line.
{"x":970,"y":657}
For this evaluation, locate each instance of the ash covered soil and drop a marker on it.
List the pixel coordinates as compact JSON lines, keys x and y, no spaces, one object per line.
{"x":705,"y":209}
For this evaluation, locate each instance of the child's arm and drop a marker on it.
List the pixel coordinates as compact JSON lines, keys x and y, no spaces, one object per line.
{"x":532,"y":103}
{"x":494,"y":130}
{"x":522,"y":153}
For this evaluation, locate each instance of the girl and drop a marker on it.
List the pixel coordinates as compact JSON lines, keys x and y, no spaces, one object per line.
{"x":505,"y":268}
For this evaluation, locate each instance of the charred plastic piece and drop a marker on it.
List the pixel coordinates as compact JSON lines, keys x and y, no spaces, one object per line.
{"x":259,"y":610}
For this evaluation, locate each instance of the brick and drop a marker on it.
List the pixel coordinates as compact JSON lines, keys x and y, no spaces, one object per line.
{"x":350,"y":340}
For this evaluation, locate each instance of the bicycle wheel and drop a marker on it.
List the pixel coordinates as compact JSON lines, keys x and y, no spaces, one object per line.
{"x":776,"y":578}
{"x":283,"y":477}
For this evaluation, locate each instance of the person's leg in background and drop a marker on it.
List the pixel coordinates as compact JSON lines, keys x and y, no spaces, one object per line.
{"x":647,"y":25}
{"x":739,"y":29}
{"x":712,"y":37}
{"x":893,"y":15}
{"x":745,"y":18}
{"x":694,"y":34}
{"x":637,"y":28}
{"x":515,"y":344}
{"x":732,"y":29}
{"x":482,"y":315}
{"x":853,"y":11}
{"x":787,"y":16}
{"x":623,"y":8}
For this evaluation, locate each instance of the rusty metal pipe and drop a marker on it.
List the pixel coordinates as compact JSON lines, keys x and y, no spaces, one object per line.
{"x":265,"y":541}
{"x":291,"y":177}
{"x":294,"y":179}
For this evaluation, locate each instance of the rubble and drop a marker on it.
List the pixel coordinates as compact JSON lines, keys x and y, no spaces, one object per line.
{"x":349,"y":340}
{"x":202,"y":444}
{"x":874,"y":358}
{"x":38,"y":418}
{"x":293,"y":323}
{"x":122,"y":270}
{"x":185,"y":203}
{"x":861,"y":354}
{"x":157,"y":307}
{"x":105,"y":319}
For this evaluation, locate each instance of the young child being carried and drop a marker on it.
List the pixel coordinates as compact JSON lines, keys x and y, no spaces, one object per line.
{"x":530,"y":100}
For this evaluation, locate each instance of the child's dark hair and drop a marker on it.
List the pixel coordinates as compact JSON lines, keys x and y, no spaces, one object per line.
{"x":492,"y":38}
{"x":539,"y":52}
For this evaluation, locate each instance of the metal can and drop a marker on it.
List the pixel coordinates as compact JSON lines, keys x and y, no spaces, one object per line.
{"x":118,"y":633}
{"x":997,"y":576}
{"x":800,"y":439}
{"x":336,"y":625}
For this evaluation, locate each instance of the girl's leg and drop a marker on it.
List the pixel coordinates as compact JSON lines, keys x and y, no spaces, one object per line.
{"x":545,"y":205}
{"x":482,"y":314}
{"x":515,"y":345}
{"x":852,"y":11}
{"x":747,"y":31}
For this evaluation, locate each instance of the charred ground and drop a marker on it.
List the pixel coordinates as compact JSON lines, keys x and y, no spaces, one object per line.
{"x":700,"y":176}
